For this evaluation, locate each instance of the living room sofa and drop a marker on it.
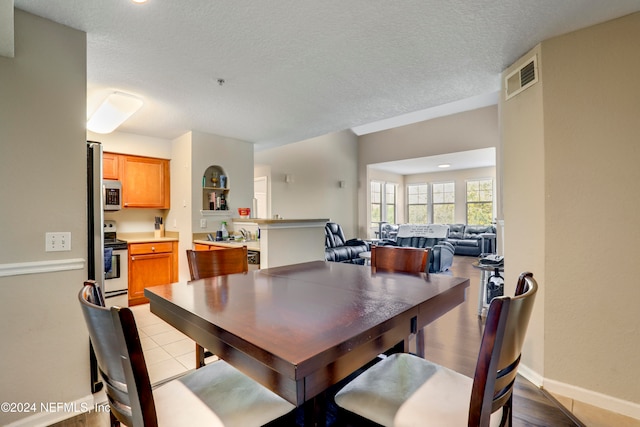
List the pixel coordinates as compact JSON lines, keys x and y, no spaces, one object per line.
{"x":427,"y":236}
{"x":468,"y":239}
{"x":338,"y":249}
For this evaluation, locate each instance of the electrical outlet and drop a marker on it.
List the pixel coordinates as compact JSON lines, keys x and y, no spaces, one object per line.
{"x":60,"y":241}
{"x":203,"y":223}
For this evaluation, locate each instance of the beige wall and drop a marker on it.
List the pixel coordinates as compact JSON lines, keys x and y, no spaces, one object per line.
{"x":570,"y":171}
{"x":44,"y":351}
{"x":524,"y":205}
{"x":591,"y":109}
{"x":316,"y":165}
{"x":465,"y":131}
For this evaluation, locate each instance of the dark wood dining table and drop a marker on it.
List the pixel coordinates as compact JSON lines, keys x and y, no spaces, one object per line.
{"x":299,"y":329}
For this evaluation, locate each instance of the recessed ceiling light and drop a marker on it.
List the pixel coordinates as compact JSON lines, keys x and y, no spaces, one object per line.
{"x":444,"y":166}
{"x":139,"y":1}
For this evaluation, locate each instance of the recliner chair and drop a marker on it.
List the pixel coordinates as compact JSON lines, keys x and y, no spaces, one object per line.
{"x":440,"y":255}
{"x":339,"y":249}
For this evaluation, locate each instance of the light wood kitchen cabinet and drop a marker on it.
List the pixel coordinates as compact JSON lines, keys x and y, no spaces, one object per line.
{"x":151,"y":264}
{"x":110,"y":166}
{"x":145,"y":182}
{"x":201,"y":247}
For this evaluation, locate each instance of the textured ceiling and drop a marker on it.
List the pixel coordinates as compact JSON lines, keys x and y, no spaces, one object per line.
{"x":296,"y":69}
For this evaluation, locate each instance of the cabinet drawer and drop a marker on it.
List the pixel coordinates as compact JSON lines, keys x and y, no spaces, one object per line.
{"x":150,"y":248}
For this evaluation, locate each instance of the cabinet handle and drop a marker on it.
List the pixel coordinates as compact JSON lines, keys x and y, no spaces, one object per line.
{"x":133,"y":258}
{"x":153,"y":248}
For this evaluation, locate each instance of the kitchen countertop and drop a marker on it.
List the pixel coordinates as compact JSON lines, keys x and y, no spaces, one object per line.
{"x":278,"y":221}
{"x":252,"y":245}
{"x":147,"y":237}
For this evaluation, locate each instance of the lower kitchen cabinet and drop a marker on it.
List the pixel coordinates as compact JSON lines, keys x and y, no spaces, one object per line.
{"x":151,"y":264}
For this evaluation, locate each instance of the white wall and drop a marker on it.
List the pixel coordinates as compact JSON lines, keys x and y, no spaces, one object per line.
{"x":44,"y":351}
{"x":316,"y":165}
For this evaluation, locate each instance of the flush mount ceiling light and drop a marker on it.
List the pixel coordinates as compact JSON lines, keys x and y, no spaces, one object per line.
{"x":444,"y":166}
{"x":117,"y":108}
{"x":139,"y":1}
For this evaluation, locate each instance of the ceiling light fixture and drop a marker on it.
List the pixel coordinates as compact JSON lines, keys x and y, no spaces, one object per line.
{"x":444,"y":166}
{"x":117,"y":108}
{"x":139,"y":1}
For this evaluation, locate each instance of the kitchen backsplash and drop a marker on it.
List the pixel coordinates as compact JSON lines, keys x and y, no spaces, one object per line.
{"x":135,"y":220}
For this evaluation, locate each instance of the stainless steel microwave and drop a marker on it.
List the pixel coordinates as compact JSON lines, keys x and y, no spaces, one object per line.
{"x":112,"y":195}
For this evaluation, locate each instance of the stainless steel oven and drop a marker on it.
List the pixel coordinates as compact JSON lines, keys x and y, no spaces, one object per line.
{"x":116,"y":277}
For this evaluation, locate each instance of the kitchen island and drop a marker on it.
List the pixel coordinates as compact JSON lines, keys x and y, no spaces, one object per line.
{"x":286,"y":241}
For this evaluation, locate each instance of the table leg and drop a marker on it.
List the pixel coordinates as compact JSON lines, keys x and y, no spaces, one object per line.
{"x":315,"y":411}
{"x":481,"y":290}
{"x":420,"y":343}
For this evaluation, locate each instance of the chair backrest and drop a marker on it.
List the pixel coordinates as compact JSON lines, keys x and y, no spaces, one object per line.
{"x":399,"y":259}
{"x":115,"y":339}
{"x":334,"y":235}
{"x":500,"y":350}
{"x":218,"y":262}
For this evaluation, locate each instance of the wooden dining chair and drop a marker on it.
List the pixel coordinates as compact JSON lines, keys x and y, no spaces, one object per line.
{"x":218,"y":262}
{"x":403,"y":390}
{"x":397,"y":259}
{"x":216,"y":395}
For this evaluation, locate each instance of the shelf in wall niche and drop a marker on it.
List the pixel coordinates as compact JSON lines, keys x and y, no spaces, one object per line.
{"x":216,"y":213}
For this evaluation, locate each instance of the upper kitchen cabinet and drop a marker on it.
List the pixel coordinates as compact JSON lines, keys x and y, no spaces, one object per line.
{"x":145,"y":180}
{"x":111,"y":166}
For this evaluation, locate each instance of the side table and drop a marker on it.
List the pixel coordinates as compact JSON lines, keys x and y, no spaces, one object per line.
{"x":485,"y":272}
{"x":366,"y":256}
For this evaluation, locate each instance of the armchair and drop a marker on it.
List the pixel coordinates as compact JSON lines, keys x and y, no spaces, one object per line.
{"x":339,"y":249}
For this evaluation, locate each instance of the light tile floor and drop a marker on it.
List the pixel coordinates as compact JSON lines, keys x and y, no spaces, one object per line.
{"x":167,"y":352}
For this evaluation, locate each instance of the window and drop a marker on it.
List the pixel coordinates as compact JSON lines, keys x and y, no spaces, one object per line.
{"x":444,"y":202}
{"x":390,"y":203}
{"x":383,"y":203}
{"x":417,"y":199}
{"x":480,"y":201}
{"x":376,"y":203}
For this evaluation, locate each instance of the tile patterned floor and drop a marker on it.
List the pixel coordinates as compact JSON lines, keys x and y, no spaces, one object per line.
{"x":167,"y":352}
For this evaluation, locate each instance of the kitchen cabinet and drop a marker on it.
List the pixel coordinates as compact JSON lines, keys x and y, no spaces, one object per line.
{"x":110,"y":166}
{"x":150,"y":264}
{"x":201,"y":247}
{"x":145,"y":180}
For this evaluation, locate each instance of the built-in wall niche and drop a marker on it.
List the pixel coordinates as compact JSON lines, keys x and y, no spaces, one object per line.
{"x":215,"y":190}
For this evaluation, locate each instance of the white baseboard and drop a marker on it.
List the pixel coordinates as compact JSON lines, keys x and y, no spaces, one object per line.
{"x":593,"y":398}
{"x":53,"y":412}
{"x":531,"y":375}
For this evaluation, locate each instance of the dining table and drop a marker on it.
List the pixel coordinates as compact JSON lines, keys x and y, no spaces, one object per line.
{"x":299,"y":329}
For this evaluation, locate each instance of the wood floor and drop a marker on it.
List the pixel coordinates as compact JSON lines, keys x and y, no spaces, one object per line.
{"x":452,"y":341}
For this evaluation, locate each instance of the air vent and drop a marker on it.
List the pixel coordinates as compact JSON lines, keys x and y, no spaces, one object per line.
{"x":521,"y":78}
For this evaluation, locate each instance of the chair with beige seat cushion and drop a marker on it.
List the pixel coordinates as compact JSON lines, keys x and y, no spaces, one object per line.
{"x":212,"y":263}
{"x":404,"y":390}
{"x":215,"y":395}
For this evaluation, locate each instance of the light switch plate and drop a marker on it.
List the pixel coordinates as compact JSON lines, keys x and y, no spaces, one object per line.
{"x":203,"y":223}
{"x":57,"y":241}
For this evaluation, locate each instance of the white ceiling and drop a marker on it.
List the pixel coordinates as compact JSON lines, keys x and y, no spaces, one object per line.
{"x":484,"y":157}
{"x":296,"y":69}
